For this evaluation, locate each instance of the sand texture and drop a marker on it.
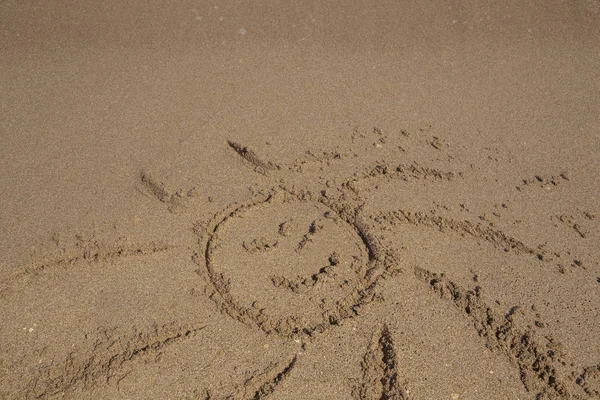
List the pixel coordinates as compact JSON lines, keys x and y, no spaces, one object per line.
{"x":301,"y":200}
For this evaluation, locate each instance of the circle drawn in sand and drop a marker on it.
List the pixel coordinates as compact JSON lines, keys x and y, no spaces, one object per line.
{"x":290,"y":264}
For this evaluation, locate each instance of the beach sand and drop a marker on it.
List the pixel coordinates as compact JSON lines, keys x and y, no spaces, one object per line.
{"x":250,"y":200}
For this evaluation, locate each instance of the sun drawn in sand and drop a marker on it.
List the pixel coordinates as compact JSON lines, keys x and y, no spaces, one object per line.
{"x":301,"y":256}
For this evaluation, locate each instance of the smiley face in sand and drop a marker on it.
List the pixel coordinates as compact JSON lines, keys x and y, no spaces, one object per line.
{"x":288,"y":263}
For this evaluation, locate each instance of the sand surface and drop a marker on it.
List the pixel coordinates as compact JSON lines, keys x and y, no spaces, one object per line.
{"x":300,"y":200}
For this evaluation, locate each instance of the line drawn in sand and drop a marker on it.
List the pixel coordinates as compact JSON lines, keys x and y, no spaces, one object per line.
{"x":381,"y":375}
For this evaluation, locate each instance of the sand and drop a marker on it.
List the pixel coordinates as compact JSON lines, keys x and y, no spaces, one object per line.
{"x":249,"y":200}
